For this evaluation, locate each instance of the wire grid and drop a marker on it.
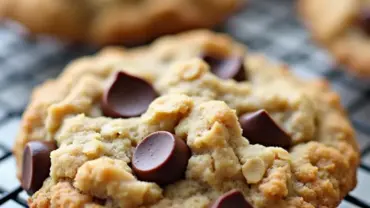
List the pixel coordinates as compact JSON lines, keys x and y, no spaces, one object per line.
{"x":267,"y":26}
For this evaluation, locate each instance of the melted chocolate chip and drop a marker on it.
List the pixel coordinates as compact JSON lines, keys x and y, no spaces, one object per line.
{"x":161,"y":158}
{"x":227,"y":68}
{"x":364,"y":20}
{"x":128,"y":96}
{"x":233,"y":198}
{"x":36,"y":164}
{"x":260,"y":128}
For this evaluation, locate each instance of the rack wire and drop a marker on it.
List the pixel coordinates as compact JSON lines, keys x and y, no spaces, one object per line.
{"x":267,"y":26}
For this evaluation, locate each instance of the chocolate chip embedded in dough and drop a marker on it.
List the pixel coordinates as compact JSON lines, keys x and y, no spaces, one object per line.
{"x":161,"y":158}
{"x":233,"y":198}
{"x":227,"y":68}
{"x":259,"y":128}
{"x":127,"y":96}
{"x":364,"y":20}
{"x":36,"y":164}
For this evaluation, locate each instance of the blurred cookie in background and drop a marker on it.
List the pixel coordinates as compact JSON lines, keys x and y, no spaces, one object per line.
{"x":343,"y":28}
{"x":104,"y":22}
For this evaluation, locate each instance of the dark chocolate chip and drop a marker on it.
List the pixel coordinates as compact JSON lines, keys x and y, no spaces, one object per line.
{"x":128,"y":96}
{"x":227,"y":68}
{"x":36,"y":164}
{"x":364,"y":20}
{"x":161,"y":158}
{"x":233,"y":198}
{"x":260,"y":128}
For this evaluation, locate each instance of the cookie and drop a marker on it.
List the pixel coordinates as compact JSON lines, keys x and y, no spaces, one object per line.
{"x":116,"y":21}
{"x":192,"y":120}
{"x":343,"y":28}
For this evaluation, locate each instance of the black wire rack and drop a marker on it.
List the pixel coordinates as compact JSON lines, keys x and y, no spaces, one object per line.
{"x":267,"y":26}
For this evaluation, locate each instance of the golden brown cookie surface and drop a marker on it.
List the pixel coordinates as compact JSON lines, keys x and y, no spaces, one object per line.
{"x":99,"y":161}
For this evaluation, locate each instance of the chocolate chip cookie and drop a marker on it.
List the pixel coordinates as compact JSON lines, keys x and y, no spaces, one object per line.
{"x":116,"y":21}
{"x":192,"y":120}
{"x":343,"y":28}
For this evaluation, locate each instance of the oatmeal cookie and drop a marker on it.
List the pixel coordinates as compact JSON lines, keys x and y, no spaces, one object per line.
{"x":192,"y":120}
{"x":116,"y":21}
{"x":343,"y":28}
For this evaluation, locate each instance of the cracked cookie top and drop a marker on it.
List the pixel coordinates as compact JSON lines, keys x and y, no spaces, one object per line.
{"x":192,"y":120}
{"x":116,"y":21}
{"x":343,"y":27}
